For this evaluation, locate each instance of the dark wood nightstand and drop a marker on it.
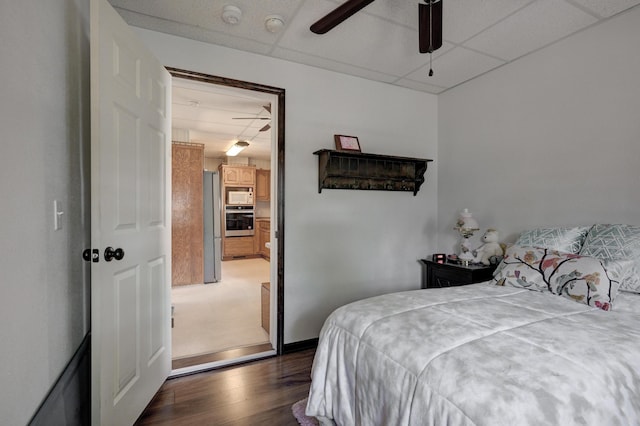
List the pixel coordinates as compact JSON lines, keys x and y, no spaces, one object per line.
{"x":437,"y":275}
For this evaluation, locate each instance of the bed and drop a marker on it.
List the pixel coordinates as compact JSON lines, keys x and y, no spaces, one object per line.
{"x":556,"y":345}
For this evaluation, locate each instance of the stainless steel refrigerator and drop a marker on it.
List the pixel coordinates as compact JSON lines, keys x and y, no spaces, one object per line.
{"x":212,"y":240}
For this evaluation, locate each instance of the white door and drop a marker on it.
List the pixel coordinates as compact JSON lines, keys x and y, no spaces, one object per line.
{"x":130,"y":194}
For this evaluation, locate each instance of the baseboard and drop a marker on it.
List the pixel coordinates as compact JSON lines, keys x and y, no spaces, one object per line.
{"x":300,"y":345}
{"x":69,"y":400}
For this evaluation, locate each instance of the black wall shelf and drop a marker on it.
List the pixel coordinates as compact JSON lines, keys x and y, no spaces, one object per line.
{"x":355,"y":170}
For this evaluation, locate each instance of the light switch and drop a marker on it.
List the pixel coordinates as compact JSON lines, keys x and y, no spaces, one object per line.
{"x":57,"y":215}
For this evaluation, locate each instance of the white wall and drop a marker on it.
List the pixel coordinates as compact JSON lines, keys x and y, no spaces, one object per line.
{"x":551,"y":139}
{"x":44,"y":117}
{"x":340,"y":245}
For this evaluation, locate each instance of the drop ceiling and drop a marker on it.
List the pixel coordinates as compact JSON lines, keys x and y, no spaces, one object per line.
{"x":218,"y":116}
{"x":381,"y":41}
{"x":378,"y":43}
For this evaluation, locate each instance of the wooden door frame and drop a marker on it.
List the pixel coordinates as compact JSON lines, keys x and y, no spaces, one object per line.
{"x":280,"y":94}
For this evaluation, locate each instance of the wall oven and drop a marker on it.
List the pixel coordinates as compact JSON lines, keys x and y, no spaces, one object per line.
{"x":239,"y":221}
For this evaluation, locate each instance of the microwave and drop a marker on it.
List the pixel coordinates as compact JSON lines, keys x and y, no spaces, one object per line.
{"x":240,"y":198}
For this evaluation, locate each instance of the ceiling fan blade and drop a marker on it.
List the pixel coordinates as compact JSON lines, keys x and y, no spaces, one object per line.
{"x":430,"y":29}
{"x":265,"y":128}
{"x":338,"y":15}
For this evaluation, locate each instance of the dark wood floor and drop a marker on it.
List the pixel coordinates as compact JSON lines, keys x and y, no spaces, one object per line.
{"x":260,"y":392}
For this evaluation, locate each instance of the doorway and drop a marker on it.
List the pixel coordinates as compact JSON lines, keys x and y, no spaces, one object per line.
{"x":241,"y":274}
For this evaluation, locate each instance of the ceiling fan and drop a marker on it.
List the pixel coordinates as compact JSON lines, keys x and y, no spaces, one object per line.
{"x":429,"y":22}
{"x":265,"y":127}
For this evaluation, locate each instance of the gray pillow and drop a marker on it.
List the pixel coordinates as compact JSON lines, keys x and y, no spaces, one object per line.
{"x":564,"y":239}
{"x":616,"y":242}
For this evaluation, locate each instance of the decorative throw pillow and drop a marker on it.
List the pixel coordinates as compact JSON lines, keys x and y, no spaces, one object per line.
{"x":564,"y":239}
{"x":581,"y":278}
{"x":616,"y":242}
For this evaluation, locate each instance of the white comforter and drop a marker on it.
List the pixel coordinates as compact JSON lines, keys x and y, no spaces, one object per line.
{"x":478,"y":355}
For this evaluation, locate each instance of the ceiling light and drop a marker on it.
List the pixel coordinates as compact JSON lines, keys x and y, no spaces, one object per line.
{"x":231,"y":15}
{"x":274,"y":23}
{"x":236,"y":148}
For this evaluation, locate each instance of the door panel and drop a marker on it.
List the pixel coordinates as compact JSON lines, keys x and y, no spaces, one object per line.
{"x":157,"y":302}
{"x":155,"y":176}
{"x":126,"y":133}
{"x":130,"y":189}
{"x":127,"y":309}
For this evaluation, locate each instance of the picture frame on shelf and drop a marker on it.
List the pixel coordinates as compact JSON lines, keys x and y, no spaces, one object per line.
{"x":347,"y":143}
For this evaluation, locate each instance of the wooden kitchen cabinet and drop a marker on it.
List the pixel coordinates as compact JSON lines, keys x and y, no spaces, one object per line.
{"x":263,"y":185}
{"x":187,"y":251}
{"x":265,"y":296}
{"x":263,"y":235}
{"x":237,"y":247}
{"x":256,"y":239}
{"x":238,"y":175}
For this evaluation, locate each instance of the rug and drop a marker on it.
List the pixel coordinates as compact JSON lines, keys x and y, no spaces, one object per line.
{"x":298,"y":412}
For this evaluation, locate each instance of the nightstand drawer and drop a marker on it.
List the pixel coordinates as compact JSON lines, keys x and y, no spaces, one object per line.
{"x":437,"y":275}
{"x":449,"y":278}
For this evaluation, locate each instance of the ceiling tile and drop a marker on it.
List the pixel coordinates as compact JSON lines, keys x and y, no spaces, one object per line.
{"x":207,"y":14}
{"x":194,"y":33}
{"x":401,"y":12}
{"x":331,"y":65}
{"x":462,"y":19}
{"x":422,"y":87}
{"x":216,"y":115}
{"x":364,"y":41}
{"x":455,"y":67}
{"x":203,"y":101}
{"x":607,"y":8}
{"x":535,"y":26}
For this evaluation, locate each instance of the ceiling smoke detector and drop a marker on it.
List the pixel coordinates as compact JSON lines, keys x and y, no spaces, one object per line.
{"x":274,"y":23}
{"x":231,"y":15}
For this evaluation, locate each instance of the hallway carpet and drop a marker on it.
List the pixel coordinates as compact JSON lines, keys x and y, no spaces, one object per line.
{"x":219,"y":316}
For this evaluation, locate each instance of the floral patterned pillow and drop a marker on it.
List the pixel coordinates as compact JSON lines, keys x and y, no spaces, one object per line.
{"x":564,"y":239}
{"x":581,"y":278}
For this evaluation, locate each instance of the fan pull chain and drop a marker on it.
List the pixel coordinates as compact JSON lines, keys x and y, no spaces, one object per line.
{"x":430,"y":67}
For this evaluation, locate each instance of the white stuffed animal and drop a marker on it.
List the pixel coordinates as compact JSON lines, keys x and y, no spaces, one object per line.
{"x":490,"y":248}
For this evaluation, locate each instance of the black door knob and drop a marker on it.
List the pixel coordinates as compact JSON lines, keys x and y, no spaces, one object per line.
{"x":110,"y":253}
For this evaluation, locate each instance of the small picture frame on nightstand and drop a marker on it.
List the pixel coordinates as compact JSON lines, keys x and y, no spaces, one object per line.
{"x":439,"y":258}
